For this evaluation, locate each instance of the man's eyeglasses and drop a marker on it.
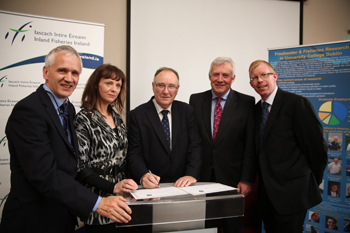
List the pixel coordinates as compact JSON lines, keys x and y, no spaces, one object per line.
{"x":162,"y":87}
{"x":262,"y":76}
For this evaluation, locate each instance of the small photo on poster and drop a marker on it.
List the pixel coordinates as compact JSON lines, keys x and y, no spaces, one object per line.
{"x":335,"y":141}
{"x":348,"y":191}
{"x":348,"y":167}
{"x":347,"y":142}
{"x":334,"y":166}
{"x":333,"y":188}
{"x":346,"y":225}
{"x":331,"y":223}
{"x":314,"y":216}
{"x":311,"y":229}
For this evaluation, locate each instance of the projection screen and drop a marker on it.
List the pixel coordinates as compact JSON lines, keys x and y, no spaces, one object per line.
{"x":187,"y":35}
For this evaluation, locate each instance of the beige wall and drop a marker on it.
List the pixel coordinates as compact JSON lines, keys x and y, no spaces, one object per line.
{"x":324,"y":20}
{"x":112,"y":13}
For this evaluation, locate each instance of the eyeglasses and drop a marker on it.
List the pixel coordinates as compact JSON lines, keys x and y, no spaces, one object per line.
{"x":162,"y":87}
{"x":262,"y":76}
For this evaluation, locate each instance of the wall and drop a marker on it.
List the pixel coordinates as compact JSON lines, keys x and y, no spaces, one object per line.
{"x":326,"y":21}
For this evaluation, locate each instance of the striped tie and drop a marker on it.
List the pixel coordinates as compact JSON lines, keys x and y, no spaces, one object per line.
{"x":217,"y":117}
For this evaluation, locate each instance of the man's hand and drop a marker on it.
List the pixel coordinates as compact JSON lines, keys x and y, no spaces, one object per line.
{"x":149,"y":182}
{"x":244,"y":188}
{"x":185,"y":181}
{"x":115,"y":208}
{"x":125,"y":185}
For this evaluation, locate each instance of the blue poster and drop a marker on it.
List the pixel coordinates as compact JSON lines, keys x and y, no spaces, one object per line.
{"x":322,"y":74}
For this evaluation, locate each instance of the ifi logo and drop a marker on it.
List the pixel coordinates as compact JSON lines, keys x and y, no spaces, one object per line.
{"x":20,"y":30}
{"x":2,"y":80}
{"x":3,"y":141}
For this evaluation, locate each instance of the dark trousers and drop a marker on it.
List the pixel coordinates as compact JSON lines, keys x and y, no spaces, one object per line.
{"x":275,"y":222}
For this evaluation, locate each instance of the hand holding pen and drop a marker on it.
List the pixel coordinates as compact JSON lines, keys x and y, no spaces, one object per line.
{"x":149,"y":180}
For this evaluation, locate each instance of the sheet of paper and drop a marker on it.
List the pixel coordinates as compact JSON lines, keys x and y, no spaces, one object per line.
{"x":157,"y":192}
{"x":207,"y":188}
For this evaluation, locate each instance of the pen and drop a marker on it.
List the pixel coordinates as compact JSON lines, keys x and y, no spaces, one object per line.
{"x":153,"y":176}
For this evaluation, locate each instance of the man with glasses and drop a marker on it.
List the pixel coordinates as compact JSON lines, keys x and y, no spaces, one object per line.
{"x":291,"y":150}
{"x":164,"y":143}
{"x":225,"y":121}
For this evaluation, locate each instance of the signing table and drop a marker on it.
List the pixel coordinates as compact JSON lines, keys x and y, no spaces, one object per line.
{"x":184,"y":212}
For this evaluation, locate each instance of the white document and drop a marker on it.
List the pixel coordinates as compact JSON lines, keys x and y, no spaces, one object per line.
{"x":173,"y":191}
{"x":157,"y":192}
{"x":207,"y":188}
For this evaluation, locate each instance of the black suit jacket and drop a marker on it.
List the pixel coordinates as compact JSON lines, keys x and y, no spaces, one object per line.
{"x":44,"y":192}
{"x":231,"y":154}
{"x":149,"y":150}
{"x":293,"y":154}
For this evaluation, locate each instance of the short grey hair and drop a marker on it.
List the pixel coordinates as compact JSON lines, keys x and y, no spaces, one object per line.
{"x":220,"y":61}
{"x":68,"y":50}
{"x":169,"y":69}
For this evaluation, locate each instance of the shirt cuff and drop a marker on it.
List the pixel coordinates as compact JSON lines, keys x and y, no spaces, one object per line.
{"x":97,"y":203}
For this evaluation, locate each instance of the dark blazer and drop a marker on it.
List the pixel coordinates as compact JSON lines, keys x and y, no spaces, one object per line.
{"x":293,"y":154}
{"x":44,"y":193}
{"x":149,"y":150}
{"x":231,"y":154}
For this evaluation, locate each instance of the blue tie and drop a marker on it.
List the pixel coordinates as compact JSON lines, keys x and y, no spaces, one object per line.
{"x":264,"y":116}
{"x":65,"y":125}
{"x":165,"y":123}
{"x":65,"y":118}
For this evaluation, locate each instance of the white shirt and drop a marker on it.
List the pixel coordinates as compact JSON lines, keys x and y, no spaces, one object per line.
{"x":270,"y":99}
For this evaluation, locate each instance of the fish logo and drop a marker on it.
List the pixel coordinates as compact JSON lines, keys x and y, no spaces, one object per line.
{"x":18,"y":31}
{"x":2,"y":80}
{"x":3,"y":141}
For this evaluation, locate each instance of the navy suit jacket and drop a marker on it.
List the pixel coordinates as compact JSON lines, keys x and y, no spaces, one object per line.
{"x":231,"y":155}
{"x":293,"y":154}
{"x":44,"y":193}
{"x":149,"y":149}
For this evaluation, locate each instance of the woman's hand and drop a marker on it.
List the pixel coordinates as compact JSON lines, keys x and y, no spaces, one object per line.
{"x":125,"y":185}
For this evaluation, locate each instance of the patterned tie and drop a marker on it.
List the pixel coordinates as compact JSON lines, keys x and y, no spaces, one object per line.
{"x":65,"y":118}
{"x":264,"y":116}
{"x":217,"y":117}
{"x":165,"y":123}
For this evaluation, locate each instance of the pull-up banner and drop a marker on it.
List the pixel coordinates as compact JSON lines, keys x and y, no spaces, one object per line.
{"x":322,"y":74}
{"x":24,"y":42}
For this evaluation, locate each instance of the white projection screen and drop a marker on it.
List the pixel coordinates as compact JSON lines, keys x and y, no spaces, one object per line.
{"x":187,"y":35}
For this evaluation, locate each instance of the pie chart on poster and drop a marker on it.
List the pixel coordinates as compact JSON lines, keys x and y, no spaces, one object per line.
{"x":332,"y":113}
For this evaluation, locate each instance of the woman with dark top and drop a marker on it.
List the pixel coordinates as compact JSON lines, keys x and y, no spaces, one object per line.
{"x":103,"y":141}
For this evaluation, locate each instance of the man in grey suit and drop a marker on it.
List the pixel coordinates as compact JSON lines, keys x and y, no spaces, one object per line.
{"x":225,"y":122}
